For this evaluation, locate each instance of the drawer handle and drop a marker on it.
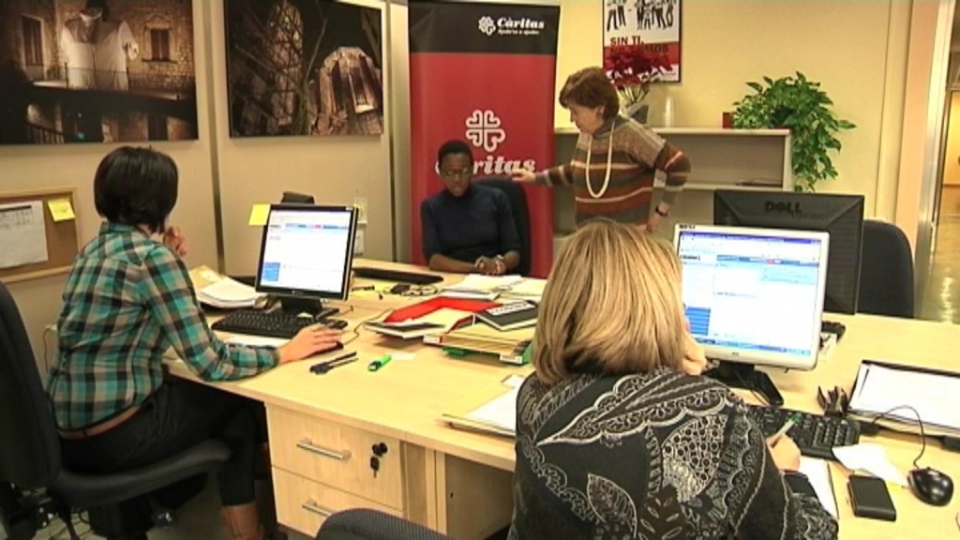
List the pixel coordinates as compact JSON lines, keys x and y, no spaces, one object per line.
{"x":314,"y":449}
{"x":314,"y":508}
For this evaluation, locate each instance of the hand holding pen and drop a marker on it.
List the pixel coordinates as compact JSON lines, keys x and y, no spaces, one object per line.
{"x":785,"y":453}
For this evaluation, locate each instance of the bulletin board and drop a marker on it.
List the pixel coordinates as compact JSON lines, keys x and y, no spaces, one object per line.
{"x":20,"y":233}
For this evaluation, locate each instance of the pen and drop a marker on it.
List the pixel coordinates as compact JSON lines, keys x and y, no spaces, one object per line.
{"x":379,"y":363}
{"x":783,"y":431}
{"x":325,"y":368}
{"x":321,"y":366}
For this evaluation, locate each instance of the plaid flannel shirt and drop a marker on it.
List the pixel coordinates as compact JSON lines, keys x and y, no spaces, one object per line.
{"x":128,"y":299}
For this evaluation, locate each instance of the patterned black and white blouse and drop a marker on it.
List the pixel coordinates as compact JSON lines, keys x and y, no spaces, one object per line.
{"x":654,"y":456}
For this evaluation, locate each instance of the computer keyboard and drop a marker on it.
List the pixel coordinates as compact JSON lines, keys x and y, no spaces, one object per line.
{"x":271,"y":324}
{"x":815,"y":434}
{"x":396,"y":276}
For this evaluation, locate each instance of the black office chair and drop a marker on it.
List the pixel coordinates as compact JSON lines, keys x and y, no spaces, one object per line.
{"x":886,"y":271}
{"x":364,"y":524}
{"x":521,"y":215}
{"x":33,"y":482}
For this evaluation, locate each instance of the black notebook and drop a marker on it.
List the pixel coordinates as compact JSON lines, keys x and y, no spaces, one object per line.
{"x":510,"y":316}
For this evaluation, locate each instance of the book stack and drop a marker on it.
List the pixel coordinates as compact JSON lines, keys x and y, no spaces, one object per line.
{"x":510,"y":316}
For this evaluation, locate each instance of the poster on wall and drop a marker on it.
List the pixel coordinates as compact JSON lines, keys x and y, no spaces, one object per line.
{"x":655,"y":23}
{"x":304,"y":67}
{"x":484,"y":74}
{"x":110,"y":71}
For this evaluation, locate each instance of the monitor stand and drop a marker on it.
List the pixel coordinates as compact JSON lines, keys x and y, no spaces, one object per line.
{"x":746,"y":376}
{"x":314,"y":307}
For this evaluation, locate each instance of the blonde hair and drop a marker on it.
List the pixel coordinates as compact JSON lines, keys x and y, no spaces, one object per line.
{"x":612,"y":305}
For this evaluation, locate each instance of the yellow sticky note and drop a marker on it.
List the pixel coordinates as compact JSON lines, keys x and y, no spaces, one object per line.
{"x":259,"y":214}
{"x":61,"y":210}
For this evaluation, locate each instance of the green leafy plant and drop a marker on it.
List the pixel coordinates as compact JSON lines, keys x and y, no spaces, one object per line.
{"x":797,"y":104}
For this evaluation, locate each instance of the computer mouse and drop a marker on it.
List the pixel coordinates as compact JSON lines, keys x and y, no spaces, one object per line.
{"x":336,"y":324}
{"x":305,"y":315}
{"x":931,"y":486}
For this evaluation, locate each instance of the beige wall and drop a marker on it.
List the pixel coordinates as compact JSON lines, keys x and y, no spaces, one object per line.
{"x":951,"y":159}
{"x":37,"y":167}
{"x":855,"y":49}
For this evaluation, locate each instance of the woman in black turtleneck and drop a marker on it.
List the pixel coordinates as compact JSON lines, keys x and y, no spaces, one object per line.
{"x":467,"y":228}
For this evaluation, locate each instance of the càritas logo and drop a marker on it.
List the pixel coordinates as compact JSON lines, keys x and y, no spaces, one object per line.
{"x":485,"y":131}
{"x":509,"y":26}
{"x":486,"y":25}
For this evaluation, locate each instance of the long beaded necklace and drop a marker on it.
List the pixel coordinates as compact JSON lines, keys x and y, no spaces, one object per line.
{"x":606,"y":178}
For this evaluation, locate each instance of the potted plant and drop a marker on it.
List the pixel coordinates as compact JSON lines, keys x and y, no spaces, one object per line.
{"x":632,"y":68}
{"x":798,"y":104}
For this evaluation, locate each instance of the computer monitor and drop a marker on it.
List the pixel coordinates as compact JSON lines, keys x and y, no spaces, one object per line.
{"x":839,"y":215}
{"x":307,"y":252}
{"x":754,"y":297}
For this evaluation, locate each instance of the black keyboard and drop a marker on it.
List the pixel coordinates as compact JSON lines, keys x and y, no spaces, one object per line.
{"x":815,"y":434}
{"x":396,"y":276}
{"x":271,"y":324}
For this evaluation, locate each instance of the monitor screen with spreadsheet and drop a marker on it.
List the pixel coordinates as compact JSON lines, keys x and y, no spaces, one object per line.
{"x":754,"y":295}
{"x":307,"y":251}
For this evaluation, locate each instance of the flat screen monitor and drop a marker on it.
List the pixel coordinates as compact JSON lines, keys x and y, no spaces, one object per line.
{"x":754,"y":296}
{"x":292,"y":197}
{"x":839,"y":215}
{"x":307,"y":251}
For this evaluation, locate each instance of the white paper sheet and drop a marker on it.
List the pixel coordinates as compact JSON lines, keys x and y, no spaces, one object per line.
{"x":255,"y":341}
{"x":817,"y":472}
{"x":500,"y":412}
{"x":870,"y":458}
{"x":228,"y":294}
{"x":23,"y":234}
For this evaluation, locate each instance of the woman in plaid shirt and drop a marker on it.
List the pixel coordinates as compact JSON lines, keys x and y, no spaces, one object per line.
{"x":128,"y":299}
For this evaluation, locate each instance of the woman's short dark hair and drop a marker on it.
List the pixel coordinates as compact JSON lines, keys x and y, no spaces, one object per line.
{"x":453,"y":147}
{"x":590,"y":87}
{"x":136,"y":186}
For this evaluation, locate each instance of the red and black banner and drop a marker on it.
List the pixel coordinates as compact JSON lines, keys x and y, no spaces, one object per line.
{"x":484,"y":73}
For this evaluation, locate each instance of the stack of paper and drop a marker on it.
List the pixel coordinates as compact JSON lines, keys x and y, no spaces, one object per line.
{"x":528,"y":289}
{"x":227,"y":293}
{"x":894,"y":396}
{"x":498,"y":416}
{"x":435,"y":322}
{"x":480,"y":287}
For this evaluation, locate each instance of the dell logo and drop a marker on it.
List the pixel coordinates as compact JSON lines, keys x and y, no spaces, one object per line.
{"x":782,"y":207}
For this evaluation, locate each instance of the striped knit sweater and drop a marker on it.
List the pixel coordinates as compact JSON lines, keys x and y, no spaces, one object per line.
{"x":637,"y":154}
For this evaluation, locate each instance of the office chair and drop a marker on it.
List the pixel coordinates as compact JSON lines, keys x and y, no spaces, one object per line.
{"x":886,"y":271}
{"x":521,"y":215}
{"x":364,"y":524}
{"x":33,"y":482}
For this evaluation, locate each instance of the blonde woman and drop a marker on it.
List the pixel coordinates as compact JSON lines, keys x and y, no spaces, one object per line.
{"x":617,"y":434}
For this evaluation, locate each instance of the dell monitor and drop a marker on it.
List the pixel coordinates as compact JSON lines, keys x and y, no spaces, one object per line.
{"x":839,"y":215}
{"x":754,"y":297}
{"x":306,"y":255}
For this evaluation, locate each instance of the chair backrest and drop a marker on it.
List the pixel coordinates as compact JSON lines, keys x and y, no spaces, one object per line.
{"x":366,"y":524}
{"x":886,"y":271}
{"x":29,"y":446}
{"x":521,"y":215}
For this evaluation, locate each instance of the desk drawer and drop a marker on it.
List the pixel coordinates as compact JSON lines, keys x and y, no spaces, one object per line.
{"x":336,"y":455}
{"x":303,"y":505}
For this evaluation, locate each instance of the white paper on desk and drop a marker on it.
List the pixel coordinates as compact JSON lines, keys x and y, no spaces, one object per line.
{"x":935,"y":397}
{"x":481,"y":283}
{"x":500,"y":412}
{"x":529,"y":288}
{"x":870,"y":458}
{"x":817,"y":472}
{"x":227,"y":293}
{"x":255,"y":341}
{"x":23,"y":234}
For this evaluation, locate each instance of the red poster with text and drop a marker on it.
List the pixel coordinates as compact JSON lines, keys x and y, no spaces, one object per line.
{"x":484,"y":73}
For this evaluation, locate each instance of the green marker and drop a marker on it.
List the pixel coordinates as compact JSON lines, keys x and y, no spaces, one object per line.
{"x":379,"y":363}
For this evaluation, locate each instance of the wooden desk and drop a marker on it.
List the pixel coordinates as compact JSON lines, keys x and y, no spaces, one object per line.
{"x":323,"y":429}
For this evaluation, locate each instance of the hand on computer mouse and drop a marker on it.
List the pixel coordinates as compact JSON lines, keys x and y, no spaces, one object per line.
{"x":786,"y":455}
{"x":309,"y":341}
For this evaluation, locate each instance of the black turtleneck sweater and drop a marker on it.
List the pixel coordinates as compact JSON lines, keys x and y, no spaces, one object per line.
{"x":477,"y":224}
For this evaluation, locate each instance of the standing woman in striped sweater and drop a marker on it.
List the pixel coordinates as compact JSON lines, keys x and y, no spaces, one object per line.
{"x":616,"y":158}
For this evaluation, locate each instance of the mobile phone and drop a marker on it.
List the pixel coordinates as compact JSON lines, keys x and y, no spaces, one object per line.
{"x":871,"y":498}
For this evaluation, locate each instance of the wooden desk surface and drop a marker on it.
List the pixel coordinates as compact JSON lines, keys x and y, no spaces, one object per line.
{"x":406,"y":398}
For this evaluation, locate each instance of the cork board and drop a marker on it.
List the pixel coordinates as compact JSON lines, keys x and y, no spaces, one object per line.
{"x":63,"y":238}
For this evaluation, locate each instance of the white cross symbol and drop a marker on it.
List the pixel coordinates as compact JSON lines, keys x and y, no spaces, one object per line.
{"x":484,"y":131}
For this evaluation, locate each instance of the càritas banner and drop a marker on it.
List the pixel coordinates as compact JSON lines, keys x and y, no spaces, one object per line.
{"x":484,"y":73}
